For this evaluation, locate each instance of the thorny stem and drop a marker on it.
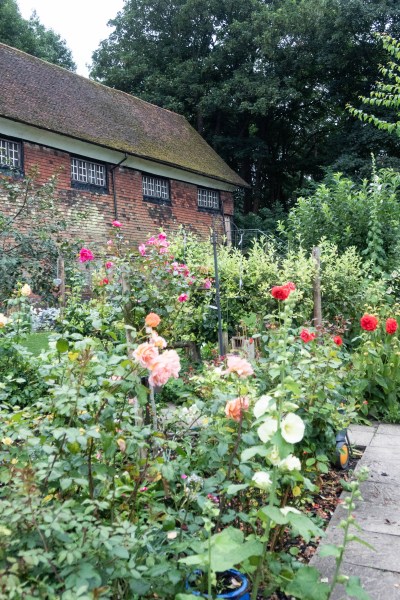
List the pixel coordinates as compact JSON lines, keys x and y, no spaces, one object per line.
{"x":229,"y":470}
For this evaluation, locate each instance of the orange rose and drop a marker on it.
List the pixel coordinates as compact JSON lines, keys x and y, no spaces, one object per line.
{"x":152,"y":320}
{"x":233,"y":408}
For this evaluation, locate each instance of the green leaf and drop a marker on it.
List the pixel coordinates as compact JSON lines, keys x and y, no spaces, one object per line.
{"x":233,"y":489}
{"x":353,"y":588}
{"x":167,"y":471}
{"x":304,"y":526}
{"x":275,"y":515}
{"x":120,"y":552}
{"x":250,"y":452}
{"x":307,"y":585}
{"x":227,"y":550}
{"x":62,"y":345}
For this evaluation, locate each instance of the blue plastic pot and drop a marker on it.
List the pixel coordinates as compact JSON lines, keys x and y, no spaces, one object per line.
{"x":241,"y":593}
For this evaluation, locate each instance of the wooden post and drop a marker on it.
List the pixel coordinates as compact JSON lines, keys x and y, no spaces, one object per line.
{"x":316,"y":255}
{"x":61,"y":275}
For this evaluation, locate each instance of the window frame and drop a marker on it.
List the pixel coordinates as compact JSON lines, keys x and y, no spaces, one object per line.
{"x":211,"y":209}
{"x":6,"y":169}
{"x":87,"y":185}
{"x":157,"y":199}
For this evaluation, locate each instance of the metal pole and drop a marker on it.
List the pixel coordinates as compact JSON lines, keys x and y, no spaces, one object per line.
{"x":217,"y":295}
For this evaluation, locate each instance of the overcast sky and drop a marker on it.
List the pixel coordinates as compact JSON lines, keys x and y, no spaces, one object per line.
{"x":82,"y":23}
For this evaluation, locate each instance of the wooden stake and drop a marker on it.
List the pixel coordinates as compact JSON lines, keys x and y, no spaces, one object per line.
{"x":316,"y":255}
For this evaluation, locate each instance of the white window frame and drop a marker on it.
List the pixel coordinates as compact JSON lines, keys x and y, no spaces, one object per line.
{"x":10,"y":154}
{"x":208,"y":199}
{"x":155,"y":188}
{"x":88,"y":172}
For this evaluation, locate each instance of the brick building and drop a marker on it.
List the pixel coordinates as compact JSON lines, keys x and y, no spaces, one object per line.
{"x":116,"y":156}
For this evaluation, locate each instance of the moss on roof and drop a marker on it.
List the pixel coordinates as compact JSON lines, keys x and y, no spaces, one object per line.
{"x":38,"y":93}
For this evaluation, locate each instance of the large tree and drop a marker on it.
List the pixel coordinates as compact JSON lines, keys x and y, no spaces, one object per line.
{"x":265,"y":81}
{"x":32,"y":37}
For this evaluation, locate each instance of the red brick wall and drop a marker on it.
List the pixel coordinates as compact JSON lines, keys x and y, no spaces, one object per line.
{"x":138,"y":216}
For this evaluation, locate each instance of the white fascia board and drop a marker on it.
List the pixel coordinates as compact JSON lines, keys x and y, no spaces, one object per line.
{"x":85,"y":149}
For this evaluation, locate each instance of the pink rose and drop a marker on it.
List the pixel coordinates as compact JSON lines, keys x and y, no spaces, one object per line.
{"x":110,"y":243}
{"x":116,"y":224}
{"x":239,"y":365}
{"x":142,"y":249}
{"x":85,"y":255}
{"x":146,"y":354}
{"x":151,"y":241}
{"x":183,"y":298}
{"x":233,"y":408}
{"x":165,"y":366}
{"x":207,"y":284}
{"x":162,"y":236}
{"x":109,"y":264}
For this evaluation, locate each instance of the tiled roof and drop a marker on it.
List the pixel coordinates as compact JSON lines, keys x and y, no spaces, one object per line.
{"x":44,"y":95}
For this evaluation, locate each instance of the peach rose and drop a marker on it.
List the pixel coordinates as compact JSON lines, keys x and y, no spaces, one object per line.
{"x":239,"y":365}
{"x":233,"y":408}
{"x":152,"y":320}
{"x":146,"y":354}
{"x":165,"y":366}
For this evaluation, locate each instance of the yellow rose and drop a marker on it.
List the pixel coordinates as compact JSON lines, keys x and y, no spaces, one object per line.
{"x":7,"y":441}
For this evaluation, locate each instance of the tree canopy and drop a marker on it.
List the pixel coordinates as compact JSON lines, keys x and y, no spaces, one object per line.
{"x":32,"y":37}
{"x":265,"y":81}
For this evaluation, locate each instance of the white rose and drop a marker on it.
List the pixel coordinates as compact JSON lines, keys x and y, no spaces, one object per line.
{"x":273,"y":456}
{"x":26,"y":290}
{"x":267,"y":429}
{"x":290,"y":463}
{"x":287,"y":509}
{"x":292,"y":428}
{"x":262,"y":480}
{"x":264,"y":404}
{"x":3,"y":320}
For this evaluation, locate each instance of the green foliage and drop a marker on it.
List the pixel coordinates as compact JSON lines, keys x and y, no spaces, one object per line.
{"x":366,"y":216}
{"x":32,"y":223}
{"x":386,"y":93}
{"x":32,"y":37}
{"x":376,"y":369}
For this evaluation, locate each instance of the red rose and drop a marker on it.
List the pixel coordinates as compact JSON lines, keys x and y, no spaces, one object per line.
{"x":307,"y":336}
{"x":104,"y":281}
{"x":290,"y":286}
{"x":369,"y":322}
{"x":280,"y":292}
{"x":391,"y":326}
{"x":338,"y":340}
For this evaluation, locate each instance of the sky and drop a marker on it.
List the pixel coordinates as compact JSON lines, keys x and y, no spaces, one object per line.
{"x":82,"y":23}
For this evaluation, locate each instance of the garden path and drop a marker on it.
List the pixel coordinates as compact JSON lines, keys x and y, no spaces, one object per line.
{"x":378,"y":514}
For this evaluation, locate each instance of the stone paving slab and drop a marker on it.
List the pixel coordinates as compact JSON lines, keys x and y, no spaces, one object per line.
{"x":361,"y":435}
{"x":378,"y":514}
{"x":381,"y":440}
{"x":388,"y":453}
{"x":385,"y":494}
{"x":382,"y":470}
{"x":380,"y":585}
{"x":377,"y":519}
{"x":388,"y":429}
{"x":385,"y":556}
